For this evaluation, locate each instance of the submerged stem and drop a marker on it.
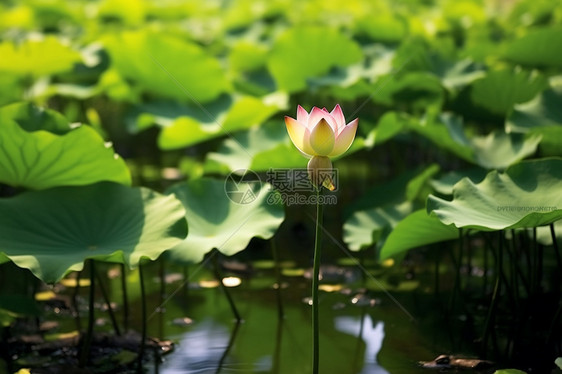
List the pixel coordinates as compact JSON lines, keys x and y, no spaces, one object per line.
{"x":315,"y":281}
{"x":224,"y":288}
{"x":108,"y":305}
{"x":140,"y":356}
{"x":125,"y":299}
{"x":280,"y":311}
{"x":85,"y":353}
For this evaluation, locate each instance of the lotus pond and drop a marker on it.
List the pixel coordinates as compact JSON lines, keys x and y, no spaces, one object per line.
{"x":159,"y":214}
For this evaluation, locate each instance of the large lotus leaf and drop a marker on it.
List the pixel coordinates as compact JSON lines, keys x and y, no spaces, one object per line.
{"x":457,"y":74}
{"x":304,"y":52}
{"x":542,"y":116}
{"x":444,"y":185}
{"x":166,"y":65}
{"x":39,"y":150}
{"x":183,"y":125}
{"x":419,"y":89}
{"x":525,"y":195}
{"x":383,"y":207}
{"x":224,"y":215}
{"x":414,"y":231}
{"x":33,"y":118}
{"x":37,"y":57}
{"x":51,"y":232}
{"x":366,"y":227}
{"x":500,"y":90}
{"x":540,"y":48}
{"x":496,"y":150}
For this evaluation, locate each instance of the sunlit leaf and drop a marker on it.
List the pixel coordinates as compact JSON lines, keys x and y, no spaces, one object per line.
{"x":167,"y":66}
{"x":183,"y":125}
{"x":40,"y":149}
{"x":51,"y":232}
{"x":538,"y":47}
{"x":224,"y":215}
{"x":37,"y":57}
{"x":305,"y":52}
{"x":525,"y":195}
{"x":500,"y":90}
{"x":541,"y":116}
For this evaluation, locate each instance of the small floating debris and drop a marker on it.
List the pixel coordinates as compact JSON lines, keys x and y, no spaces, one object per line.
{"x":455,"y":362}
{"x":182,"y":321}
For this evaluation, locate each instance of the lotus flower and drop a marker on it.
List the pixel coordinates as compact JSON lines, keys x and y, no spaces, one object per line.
{"x":321,"y":135}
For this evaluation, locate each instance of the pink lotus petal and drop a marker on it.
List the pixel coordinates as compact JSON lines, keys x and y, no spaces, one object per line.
{"x":338,"y":116}
{"x":299,"y":135}
{"x":317,"y":114}
{"x":302,"y":115}
{"x":344,"y":139}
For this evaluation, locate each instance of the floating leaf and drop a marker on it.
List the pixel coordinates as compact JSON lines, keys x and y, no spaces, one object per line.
{"x":414,"y":231}
{"x":369,"y":226}
{"x":541,"y":116}
{"x":183,"y":126}
{"x":496,"y":150}
{"x":539,"y":48}
{"x":500,"y":90}
{"x":383,"y":207}
{"x":444,"y":185}
{"x":39,"y":149}
{"x":51,"y":232}
{"x":304,"y":52}
{"x":224,"y":215}
{"x":525,"y":195}
{"x":166,"y":65}
{"x":37,"y":57}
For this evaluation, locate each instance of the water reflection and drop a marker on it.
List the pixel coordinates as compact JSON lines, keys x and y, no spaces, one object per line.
{"x":201,"y":350}
{"x":372,"y":336}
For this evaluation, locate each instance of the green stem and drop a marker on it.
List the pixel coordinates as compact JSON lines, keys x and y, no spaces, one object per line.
{"x":229,"y":298}
{"x":280,"y":311}
{"x":108,"y":305}
{"x":140,"y":356}
{"x":125,"y":299}
{"x":85,"y":353}
{"x":315,"y":279}
{"x":555,"y":245}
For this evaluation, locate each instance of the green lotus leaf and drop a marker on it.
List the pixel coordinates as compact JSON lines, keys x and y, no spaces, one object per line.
{"x":496,"y":150}
{"x":167,"y":66}
{"x":51,"y":232}
{"x":416,"y":230}
{"x":542,"y":116}
{"x":538,"y":48}
{"x":183,"y":126}
{"x":383,"y":207}
{"x":419,"y":89}
{"x":39,"y":149}
{"x":444,"y":185}
{"x":304,"y":52}
{"x":37,"y":57}
{"x":525,"y":195}
{"x":224,"y":215}
{"x":500,"y":90}
{"x":366,"y":227}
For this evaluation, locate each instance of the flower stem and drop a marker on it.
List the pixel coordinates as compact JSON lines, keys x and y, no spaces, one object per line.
{"x":315,"y":279}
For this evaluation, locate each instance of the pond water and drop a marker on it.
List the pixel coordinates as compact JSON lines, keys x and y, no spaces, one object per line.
{"x":361,"y":329}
